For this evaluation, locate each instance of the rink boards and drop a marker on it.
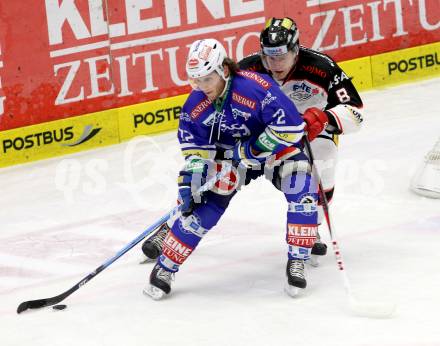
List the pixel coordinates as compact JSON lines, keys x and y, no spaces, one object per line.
{"x":66,"y":136}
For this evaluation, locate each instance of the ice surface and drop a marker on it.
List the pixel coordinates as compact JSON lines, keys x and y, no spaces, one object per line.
{"x":62,"y":218}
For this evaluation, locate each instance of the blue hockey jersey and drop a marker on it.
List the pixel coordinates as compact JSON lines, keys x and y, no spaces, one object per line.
{"x":254,"y":109}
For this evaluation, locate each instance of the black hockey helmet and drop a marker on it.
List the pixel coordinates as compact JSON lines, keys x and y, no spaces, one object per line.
{"x":279,"y":36}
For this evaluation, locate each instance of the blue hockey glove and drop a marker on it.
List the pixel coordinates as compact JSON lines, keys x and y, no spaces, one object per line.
{"x":190,"y":179}
{"x":244,"y":154}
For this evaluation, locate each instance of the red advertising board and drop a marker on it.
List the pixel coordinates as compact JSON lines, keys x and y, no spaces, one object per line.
{"x":61,"y":58}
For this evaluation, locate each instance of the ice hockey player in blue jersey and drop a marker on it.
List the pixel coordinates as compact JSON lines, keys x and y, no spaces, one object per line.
{"x":245,"y":118}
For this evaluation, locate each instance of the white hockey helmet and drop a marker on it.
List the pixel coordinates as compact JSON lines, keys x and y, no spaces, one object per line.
{"x":204,"y":57}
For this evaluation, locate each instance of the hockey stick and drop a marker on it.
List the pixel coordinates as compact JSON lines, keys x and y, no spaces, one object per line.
{"x":40,"y":303}
{"x":365,"y":309}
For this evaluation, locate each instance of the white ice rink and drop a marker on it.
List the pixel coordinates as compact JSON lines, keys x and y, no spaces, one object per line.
{"x":62,"y":218}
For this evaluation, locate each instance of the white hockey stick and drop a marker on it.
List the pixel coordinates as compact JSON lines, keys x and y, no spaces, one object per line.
{"x":364,"y":309}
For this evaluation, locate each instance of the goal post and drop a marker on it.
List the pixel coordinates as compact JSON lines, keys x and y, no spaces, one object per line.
{"x":426,"y":180}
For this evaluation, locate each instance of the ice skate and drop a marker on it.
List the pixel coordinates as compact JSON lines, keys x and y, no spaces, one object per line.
{"x":152,"y":248}
{"x":319,"y":249}
{"x":295,"y":277}
{"x":160,"y":283}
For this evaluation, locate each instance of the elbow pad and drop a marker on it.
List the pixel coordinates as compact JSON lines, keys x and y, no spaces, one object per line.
{"x":346,"y":118}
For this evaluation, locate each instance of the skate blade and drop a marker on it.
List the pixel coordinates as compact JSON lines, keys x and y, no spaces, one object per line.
{"x":292,"y":290}
{"x":314,"y":261}
{"x":154,"y":292}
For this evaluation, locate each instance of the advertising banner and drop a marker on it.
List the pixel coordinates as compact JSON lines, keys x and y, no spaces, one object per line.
{"x":58,"y":137}
{"x":64,"y":58}
{"x":150,"y":117}
{"x":407,"y":64}
{"x":2,"y":95}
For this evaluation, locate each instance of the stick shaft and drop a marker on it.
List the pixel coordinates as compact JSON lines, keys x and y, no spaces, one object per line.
{"x":325,"y":206}
{"x":39,"y":303}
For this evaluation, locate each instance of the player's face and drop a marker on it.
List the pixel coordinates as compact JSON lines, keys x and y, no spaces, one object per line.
{"x":212,"y":85}
{"x":280,"y":65}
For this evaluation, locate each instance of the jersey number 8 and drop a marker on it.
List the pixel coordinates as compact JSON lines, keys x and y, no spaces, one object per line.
{"x":343,"y":95}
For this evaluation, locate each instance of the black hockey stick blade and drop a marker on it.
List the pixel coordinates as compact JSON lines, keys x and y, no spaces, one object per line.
{"x":39,"y":303}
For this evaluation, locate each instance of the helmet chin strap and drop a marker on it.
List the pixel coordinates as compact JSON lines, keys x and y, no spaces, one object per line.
{"x":221,"y":72}
{"x":225,"y":87}
{"x":264,"y":61}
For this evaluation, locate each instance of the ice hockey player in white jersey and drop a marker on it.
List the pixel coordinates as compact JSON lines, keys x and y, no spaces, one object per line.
{"x":320,"y":90}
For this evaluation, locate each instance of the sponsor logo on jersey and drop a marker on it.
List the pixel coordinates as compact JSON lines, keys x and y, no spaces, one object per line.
{"x":306,"y":205}
{"x":192,"y":225}
{"x":314,"y":70}
{"x":236,"y":130}
{"x":195,"y":165}
{"x":175,"y":250}
{"x":303,"y":91}
{"x":197,"y":110}
{"x":238,"y":113}
{"x":244,"y":100}
{"x":419,"y":62}
{"x":356,"y":115}
{"x":302,"y":208}
{"x":255,"y":77}
{"x":301,"y":234}
{"x":185,"y":117}
{"x":268,"y":143}
{"x":338,"y":79}
{"x":268,"y":99}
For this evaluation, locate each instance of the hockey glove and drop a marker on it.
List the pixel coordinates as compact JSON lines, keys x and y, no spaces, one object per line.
{"x":245,"y":155}
{"x":191,"y":178}
{"x":316,"y":121}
